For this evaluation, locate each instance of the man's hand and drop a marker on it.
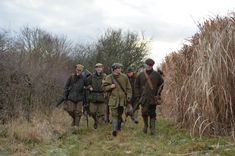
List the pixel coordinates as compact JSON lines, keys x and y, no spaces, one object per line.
{"x":113,"y":86}
{"x":91,"y":89}
{"x":128,"y":99}
{"x":158,"y":100}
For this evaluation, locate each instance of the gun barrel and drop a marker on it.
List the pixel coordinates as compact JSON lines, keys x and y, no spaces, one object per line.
{"x":60,"y":101}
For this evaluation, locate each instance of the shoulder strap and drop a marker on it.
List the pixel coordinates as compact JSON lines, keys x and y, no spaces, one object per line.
{"x":117,"y":82}
{"x":148,"y":80}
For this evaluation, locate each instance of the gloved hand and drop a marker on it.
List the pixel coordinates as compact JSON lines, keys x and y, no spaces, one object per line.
{"x":158,"y":100}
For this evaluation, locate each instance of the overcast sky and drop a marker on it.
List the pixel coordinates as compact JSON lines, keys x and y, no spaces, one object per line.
{"x":168,"y":23}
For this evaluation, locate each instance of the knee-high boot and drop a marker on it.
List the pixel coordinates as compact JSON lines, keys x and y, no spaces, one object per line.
{"x":152,"y":126}
{"x":115,"y":127}
{"x":145,"y":129}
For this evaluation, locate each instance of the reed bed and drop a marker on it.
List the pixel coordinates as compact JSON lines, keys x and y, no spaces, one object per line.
{"x":200,"y":80}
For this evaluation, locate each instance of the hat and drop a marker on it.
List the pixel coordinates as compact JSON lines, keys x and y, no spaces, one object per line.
{"x":99,"y":65}
{"x":130,"y":69}
{"x":116,"y":65}
{"x":79,"y":67}
{"x":149,"y":62}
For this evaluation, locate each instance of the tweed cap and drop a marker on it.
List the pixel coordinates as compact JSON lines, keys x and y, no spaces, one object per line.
{"x":98,"y":65}
{"x":150,"y":62}
{"x":130,"y":69}
{"x":116,"y":65}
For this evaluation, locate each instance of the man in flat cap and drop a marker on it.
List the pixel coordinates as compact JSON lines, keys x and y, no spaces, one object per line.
{"x":132,"y":76}
{"x":148,"y":86}
{"x":74,"y":94}
{"x":119,"y":87}
{"x":96,"y":95}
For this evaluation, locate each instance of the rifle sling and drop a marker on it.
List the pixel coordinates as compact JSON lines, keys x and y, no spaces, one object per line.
{"x":117,"y":82}
{"x":148,"y":80}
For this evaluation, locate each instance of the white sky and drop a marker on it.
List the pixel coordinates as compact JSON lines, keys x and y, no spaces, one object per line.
{"x":168,"y":23}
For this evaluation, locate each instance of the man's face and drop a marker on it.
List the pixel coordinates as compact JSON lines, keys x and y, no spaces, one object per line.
{"x":130,"y":74}
{"x":78,"y":71}
{"x":118,"y":70}
{"x":148,"y":67}
{"x":98,"y":69}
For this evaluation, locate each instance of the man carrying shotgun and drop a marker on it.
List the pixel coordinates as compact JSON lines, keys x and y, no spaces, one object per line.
{"x":120,"y":90}
{"x":75,"y":95}
{"x":148,"y":86}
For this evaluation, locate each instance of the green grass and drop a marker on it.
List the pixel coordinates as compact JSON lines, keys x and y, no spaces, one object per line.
{"x":130,"y":141}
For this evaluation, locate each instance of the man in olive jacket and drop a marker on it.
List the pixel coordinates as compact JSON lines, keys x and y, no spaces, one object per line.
{"x":74,"y":94}
{"x":120,"y":90}
{"x":96,"y":95}
{"x":148,"y":93}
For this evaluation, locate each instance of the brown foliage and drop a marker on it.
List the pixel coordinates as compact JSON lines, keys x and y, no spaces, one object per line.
{"x":33,"y":69}
{"x":200,"y":79}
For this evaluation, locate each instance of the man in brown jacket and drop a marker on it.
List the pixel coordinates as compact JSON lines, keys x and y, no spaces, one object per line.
{"x":148,"y":86}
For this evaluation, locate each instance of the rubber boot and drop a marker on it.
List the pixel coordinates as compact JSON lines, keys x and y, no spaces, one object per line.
{"x":115,"y":127}
{"x":152,"y":126}
{"x":145,"y":129}
{"x":119,"y":124}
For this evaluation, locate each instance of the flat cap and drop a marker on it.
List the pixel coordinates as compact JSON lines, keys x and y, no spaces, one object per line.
{"x":98,"y":65}
{"x":116,"y":65}
{"x":130,"y":69}
{"x":149,"y":62}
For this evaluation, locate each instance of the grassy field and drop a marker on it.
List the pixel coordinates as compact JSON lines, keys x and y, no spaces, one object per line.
{"x":130,"y":141}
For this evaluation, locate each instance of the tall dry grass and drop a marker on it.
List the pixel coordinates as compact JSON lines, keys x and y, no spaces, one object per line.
{"x":17,"y":135}
{"x":200,"y":79}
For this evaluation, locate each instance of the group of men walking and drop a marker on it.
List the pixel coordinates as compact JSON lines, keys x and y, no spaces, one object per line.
{"x":124,"y":92}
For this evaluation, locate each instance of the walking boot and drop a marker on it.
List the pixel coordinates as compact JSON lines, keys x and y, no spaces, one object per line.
{"x":95,"y":121}
{"x":73,"y":122}
{"x":77,"y":120}
{"x":145,"y":129}
{"x":115,"y":127}
{"x":152,"y":126}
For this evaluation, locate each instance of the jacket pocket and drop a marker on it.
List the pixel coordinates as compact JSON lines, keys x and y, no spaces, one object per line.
{"x":113,"y":102}
{"x":96,"y":97}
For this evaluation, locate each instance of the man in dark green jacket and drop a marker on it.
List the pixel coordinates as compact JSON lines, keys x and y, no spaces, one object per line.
{"x":119,"y":87}
{"x":132,"y":76}
{"x":148,"y":86}
{"x":74,"y":94}
{"x":96,"y":95}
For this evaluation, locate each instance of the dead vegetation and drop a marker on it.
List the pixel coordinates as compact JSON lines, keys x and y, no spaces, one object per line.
{"x":200,"y":80}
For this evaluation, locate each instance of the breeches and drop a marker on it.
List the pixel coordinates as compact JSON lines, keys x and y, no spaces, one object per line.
{"x":149,"y":110}
{"x":97,"y":109}
{"x":74,"y":109}
{"x":117,"y":112}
